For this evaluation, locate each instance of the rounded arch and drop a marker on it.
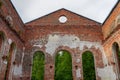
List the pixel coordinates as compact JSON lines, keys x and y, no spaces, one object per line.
{"x":10,"y":56}
{"x":88,"y":66}
{"x":38,"y":52}
{"x":63,"y":65}
{"x":38,"y":64}
{"x":115,"y":47}
{"x":66,"y":50}
{"x":90,"y":51}
{"x":63,"y":49}
{"x":116,"y":57}
{"x":36,"y":49}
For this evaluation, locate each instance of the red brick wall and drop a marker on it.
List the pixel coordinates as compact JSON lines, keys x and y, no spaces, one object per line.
{"x":9,"y":37}
{"x":81,"y":27}
{"x":111,"y":22}
{"x":87,"y":35}
{"x":11,"y":16}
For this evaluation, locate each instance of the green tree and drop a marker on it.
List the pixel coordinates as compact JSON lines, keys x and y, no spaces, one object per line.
{"x":88,"y":66}
{"x":38,"y":66}
{"x":63,"y":66}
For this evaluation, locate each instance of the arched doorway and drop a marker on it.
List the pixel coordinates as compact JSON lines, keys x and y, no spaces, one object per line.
{"x":63,"y":66}
{"x":9,"y":61}
{"x":88,"y":66}
{"x":116,"y":54}
{"x":38,"y":66}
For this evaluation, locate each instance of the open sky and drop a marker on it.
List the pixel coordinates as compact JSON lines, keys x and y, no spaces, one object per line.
{"x":97,"y":10}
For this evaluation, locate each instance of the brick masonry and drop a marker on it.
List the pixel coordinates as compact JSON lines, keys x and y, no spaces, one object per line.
{"x":47,"y":34}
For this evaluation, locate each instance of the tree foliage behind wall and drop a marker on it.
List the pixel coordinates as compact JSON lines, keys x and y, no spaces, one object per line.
{"x":63,"y":66}
{"x":88,"y":66}
{"x":38,"y":66}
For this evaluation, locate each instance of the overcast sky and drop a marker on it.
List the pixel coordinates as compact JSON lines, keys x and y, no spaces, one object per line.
{"x":97,"y":10}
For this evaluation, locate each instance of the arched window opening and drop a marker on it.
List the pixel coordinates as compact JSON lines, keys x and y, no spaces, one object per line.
{"x":38,"y":66}
{"x":9,"y":61}
{"x":63,"y":66}
{"x":88,"y":66}
{"x":116,"y":54}
{"x":118,"y":19}
{"x":1,"y":39}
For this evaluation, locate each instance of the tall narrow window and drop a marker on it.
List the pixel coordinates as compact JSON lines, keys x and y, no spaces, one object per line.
{"x":9,"y":60}
{"x":88,"y":66}
{"x":118,"y":19}
{"x":63,"y":66}
{"x":1,"y":39}
{"x":38,"y":66}
{"x":116,"y":53}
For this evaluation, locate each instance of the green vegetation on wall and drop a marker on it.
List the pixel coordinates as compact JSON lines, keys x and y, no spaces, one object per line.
{"x":88,"y":66}
{"x":38,"y":66}
{"x":63,"y":66}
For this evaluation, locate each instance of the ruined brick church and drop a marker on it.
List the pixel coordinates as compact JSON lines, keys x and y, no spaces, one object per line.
{"x":76,"y":35}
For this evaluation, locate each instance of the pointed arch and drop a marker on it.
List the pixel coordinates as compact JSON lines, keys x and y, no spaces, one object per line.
{"x":9,"y":60}
{"x":38,"y":66}
{"x":116,"y":54}
{"x":88,"y":66}
{"x":63,"y":65}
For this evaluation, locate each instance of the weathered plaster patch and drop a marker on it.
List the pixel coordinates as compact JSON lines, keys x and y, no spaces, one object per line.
{"x":5,"y":62}
{"x":23,"y":55}
{"x":77,"y":60}
{"x":105,"y":61}
{"x":17,"y":70}
{"x":9,"y":41}
{"x":78,"y":75}
{"x":106,"y":73}
{"x":40,"y":46}
{"x":71,"y":41}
